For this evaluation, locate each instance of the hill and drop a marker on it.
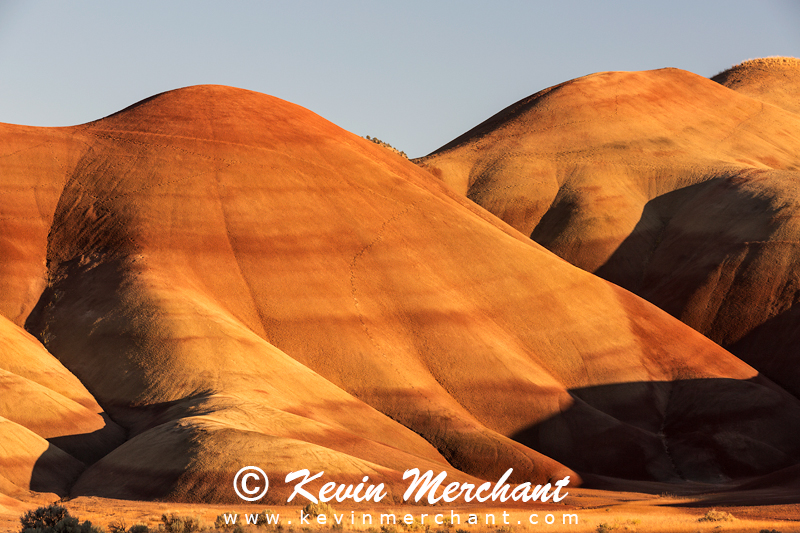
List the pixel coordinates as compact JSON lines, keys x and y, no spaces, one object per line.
{"x":663,"y":182}
{"x":238,"y":281}
{"x":774,"y":80}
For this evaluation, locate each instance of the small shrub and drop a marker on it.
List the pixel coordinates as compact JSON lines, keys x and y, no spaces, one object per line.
{"x":54,"y":519}
{"x":769,"y":531}
{"x":181,"y":524}
{"x":413,"y":526}
{"x":316,"y":509}
{"x":386,"y":145}
{"x":43,"y":517}
{"x":263,"y":520}
{"x":605,"y":527}
{"x":716,"y":516}
{"x":221,"y":523}
{"x":117,"y":526}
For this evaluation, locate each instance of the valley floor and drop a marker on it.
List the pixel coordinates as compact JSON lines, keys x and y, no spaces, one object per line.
{"x":594,"y":511}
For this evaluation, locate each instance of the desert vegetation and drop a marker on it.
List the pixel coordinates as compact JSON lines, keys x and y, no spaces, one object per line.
{"x":717,"y":516}
{"x":766,"y":62}
{"x":386,"y":145}
{"x":55,"y":519}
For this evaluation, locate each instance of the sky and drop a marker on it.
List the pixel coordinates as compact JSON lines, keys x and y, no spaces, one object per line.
{"x":415,"y":74}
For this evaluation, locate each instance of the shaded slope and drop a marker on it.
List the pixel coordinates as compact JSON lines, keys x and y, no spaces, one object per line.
{"x":775,"y":80}
{"x":27,"y":461}
{"x":51,"y":426}
{"x":238,"y":281}
{"x":702,"y":424}
{"x":663,"y":182}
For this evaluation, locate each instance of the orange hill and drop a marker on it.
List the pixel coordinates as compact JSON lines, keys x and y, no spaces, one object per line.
{"x":238,"y":281}
{"x":664,"y":182}
{"x":774,"y":80}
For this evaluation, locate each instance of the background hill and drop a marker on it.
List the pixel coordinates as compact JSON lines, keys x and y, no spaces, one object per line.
{"x":666,"y":183}
{"x":774,"y":80}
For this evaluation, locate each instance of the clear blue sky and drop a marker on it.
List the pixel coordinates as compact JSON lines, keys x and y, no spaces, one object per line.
{"x":413,"y":73}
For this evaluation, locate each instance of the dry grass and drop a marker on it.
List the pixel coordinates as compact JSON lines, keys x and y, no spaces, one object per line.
{"x":772,"y":61}
{"x":762,"y":63}
{"x":622,"y":514}
{"x":717,"y":516}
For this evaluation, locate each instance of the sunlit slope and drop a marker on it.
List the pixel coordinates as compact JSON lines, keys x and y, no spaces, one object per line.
{"x":35,"y":164}
{"x":774,"y":80}
{"x":664,"y":182}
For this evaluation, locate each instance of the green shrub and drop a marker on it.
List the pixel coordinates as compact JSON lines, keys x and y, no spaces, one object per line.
{"x":139,"y":528}
{"x":43,"y":517}
{"x":54,"y":519}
